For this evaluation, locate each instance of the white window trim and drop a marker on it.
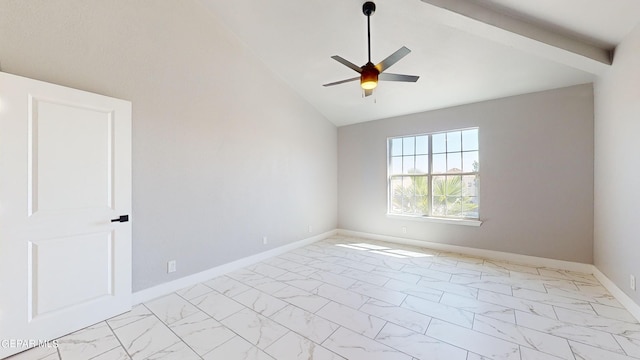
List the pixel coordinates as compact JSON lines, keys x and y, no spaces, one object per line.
{"x":433,"y":219}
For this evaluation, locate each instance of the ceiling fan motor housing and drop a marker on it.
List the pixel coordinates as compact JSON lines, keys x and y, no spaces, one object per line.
{"x":369,"y":76}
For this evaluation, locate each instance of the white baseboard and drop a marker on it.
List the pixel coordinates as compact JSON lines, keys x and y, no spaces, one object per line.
{"x":190,"y":280}
{"x":620,"y":295}
{"x":490,"y":254}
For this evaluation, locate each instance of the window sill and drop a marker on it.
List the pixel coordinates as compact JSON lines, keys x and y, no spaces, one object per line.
{"x":465,"y":222}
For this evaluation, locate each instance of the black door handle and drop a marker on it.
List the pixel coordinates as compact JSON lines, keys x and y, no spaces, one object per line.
{"x":122,"y":218}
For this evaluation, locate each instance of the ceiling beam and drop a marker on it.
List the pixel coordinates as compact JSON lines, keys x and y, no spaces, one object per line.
{"x":516,"y":33}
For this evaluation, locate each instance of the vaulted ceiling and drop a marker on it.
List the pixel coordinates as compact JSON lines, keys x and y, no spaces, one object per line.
{"x":463,"y":50}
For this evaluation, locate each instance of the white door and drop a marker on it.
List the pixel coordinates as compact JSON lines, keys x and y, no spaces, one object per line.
{"x":65,"y":173}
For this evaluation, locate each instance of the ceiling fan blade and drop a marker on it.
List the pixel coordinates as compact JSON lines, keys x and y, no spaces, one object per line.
{"x":342,"y":81}
{"x":398,"y":77}
{"x":392,"y":59}
{"x":347,"y":63}
{"x":368,"y":92}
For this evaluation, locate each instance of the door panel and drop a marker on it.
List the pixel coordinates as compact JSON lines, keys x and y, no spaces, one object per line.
{"x":65,"y":172}
{"x":79,"y":264}
{"x":70,"y":171}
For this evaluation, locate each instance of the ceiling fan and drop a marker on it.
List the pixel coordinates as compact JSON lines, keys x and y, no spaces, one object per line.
{"x":369,"y":73}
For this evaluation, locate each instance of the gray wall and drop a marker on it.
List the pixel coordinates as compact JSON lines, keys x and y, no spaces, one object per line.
{"x":536,"y":161}
{"x":617,"y":167}
{"x":224,"y":153}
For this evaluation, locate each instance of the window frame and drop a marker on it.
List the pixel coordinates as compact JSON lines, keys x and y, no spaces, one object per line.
{"x":430,"y":176}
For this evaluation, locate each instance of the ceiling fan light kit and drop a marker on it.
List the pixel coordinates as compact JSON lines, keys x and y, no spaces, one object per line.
{"x":369,"y":77}
{"x":370,"y":73}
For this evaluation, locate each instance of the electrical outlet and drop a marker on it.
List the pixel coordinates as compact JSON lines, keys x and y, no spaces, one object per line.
{"x":171,"y":266}
{"x":404,"y":229}
{"x":632,"y":282}
{"x":265,"y":241}
{"x":310,"y":228}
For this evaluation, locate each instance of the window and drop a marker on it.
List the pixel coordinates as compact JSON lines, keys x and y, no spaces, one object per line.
{"x":434,"y":175}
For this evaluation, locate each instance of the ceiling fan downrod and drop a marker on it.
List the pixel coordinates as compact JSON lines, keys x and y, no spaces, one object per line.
{"x":368,"y":9}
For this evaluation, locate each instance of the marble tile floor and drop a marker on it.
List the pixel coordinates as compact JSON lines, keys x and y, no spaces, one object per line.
{"x":351,"y":298}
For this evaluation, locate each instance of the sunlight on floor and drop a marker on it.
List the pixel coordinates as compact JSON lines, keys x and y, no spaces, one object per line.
{"x":381,"y":250}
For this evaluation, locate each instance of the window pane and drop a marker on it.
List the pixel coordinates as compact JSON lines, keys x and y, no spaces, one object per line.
{"x":420,"y":185}
{"x":454,"y":162}
{"x":407,"y":200}
{"x":438,"y":210}
{"x":439,"y":163}
{"x":439,"y":143}
{"x":472,"y":212}
{"x":439,"y":198}
{"x":406,"y":184}
{"x":469,"y":185}
{"x":420,"y":201}
{"x":408,"y":145}
{"x":422,"y":164}
{"x":470,"y":161}
{"x":453,"y":186}
{"x":422,"y":144}
{"x":469,"y":199}
{"x":454,"y":141}
{"x":396,"y":147}
{"x":422,"y":205}
{"x":407,"y":164}
{"x":397,"y":194}
{"x":454,"y":206}
{"x":396,"y":165}
{"x":470,"y":139}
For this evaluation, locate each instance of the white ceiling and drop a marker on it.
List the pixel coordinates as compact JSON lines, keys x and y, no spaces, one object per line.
{"x":458,"y":59}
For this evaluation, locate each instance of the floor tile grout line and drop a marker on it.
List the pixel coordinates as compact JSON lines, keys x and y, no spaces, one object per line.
{"x":314,"y":314}
{"x":555,"y":312}
{"x":520,"y":345}
{"x":238,"y":335}
{"x":520,"y":351}
{"x":621,"y":347}
{"x":186,"y":317}
{"x":283,"y":325}
{"x":428,"y":325}
{"x":566,"y":339}
{"x":301,"y":335}
{"x":571,"y":324}
{"x":174,"y":333}
{"x":277,"y":291}
{"x":450,"y":323}
{"x":91,"y":326}
{"x":117,"y":338}
{"x":570,"y":348}
{"x":379,"y":331}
